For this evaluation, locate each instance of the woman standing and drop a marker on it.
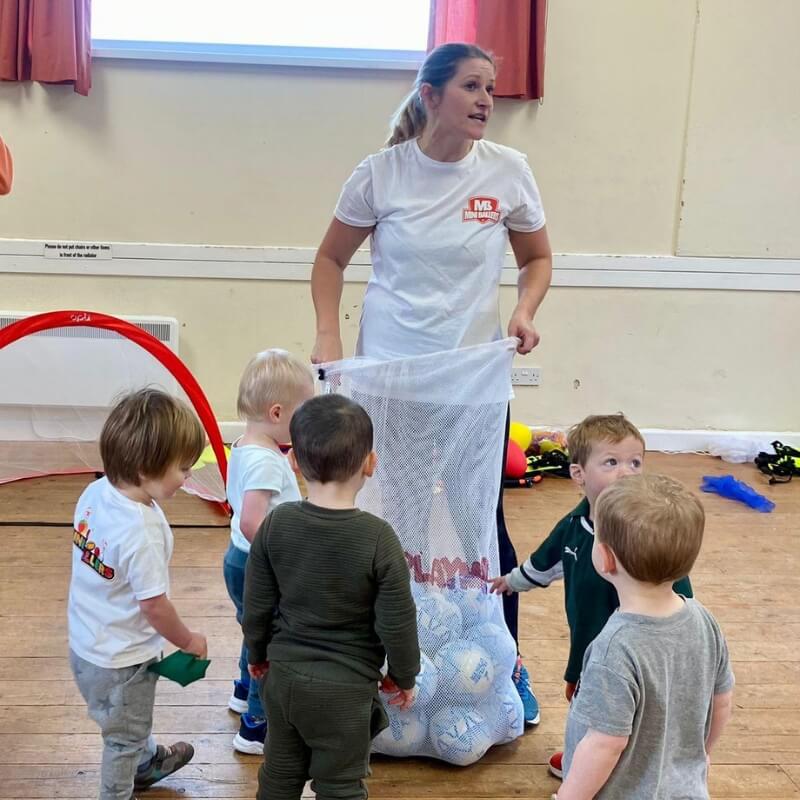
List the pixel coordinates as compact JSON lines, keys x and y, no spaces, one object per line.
{"x":441,"y":205}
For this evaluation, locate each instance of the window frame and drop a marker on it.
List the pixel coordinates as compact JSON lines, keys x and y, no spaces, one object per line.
{"x":273,"y":55}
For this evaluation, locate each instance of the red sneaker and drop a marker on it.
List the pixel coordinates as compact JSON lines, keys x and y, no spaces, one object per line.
{"x":554,"y":765}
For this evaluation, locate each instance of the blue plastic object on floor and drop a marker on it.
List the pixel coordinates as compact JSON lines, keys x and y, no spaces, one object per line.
{"x":728,"y":486}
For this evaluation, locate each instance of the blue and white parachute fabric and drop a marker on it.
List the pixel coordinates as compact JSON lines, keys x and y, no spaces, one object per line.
{"x":439,"y":423}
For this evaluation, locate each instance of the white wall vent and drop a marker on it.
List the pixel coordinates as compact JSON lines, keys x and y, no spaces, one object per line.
{"x":81,"y":367}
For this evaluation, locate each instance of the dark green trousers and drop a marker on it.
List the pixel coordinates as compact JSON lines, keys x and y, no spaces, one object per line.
{"x":320,"y":727}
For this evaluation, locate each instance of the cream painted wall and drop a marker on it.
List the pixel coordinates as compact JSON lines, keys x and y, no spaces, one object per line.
{"x":742,"y":190}
{"x":216,"y":154}
{"x":667,"y":358}
{"x":165,"y":152}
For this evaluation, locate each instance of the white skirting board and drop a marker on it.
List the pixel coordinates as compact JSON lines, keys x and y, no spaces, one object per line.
{"x":700,"y":441}
{"x":657,"y":439}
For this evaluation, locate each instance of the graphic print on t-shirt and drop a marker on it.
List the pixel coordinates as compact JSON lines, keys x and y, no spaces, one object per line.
{"x":91,"y":553}
{"x":482,"y":209}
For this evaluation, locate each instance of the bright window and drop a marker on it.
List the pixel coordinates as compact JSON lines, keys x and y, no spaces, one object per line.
{"x":377,"y":32}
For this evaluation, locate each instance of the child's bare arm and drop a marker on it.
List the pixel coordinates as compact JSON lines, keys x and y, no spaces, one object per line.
{"x":163,"y":616}
{"x":721,"y":711}
{"x":255,"y":505}
{"x":594,"y":760}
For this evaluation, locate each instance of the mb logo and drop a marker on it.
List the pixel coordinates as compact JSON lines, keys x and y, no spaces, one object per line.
{"x":482,"y":209}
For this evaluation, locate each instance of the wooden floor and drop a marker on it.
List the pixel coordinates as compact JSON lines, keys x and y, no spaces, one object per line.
{"x":748,"y":574}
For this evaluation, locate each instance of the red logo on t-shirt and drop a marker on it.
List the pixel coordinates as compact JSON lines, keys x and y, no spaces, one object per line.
{"x":482,"y":209}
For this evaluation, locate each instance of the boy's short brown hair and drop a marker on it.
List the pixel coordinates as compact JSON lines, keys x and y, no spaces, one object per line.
{"x":272,"y":376}
{"x":653,"y":524}
{"x":145,"y":434}
{"x":598,"y":428}
{"x":331,"y":437}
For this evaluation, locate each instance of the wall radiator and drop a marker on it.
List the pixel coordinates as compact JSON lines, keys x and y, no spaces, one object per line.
{"x":62,"y":373}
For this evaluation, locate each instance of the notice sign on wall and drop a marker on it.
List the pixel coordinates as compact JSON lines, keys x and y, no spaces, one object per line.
{"x":77,"y":250}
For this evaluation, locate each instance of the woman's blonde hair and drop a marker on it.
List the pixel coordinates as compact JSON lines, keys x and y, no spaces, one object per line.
{"x":272,"y":376}
{"x":437,"y":69}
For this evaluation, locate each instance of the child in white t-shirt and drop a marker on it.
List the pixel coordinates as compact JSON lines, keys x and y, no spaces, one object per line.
{"x":273,"y":386}
{"x":119,"y":612}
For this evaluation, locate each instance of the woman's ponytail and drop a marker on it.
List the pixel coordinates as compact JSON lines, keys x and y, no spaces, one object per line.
{"x":438,"y":68}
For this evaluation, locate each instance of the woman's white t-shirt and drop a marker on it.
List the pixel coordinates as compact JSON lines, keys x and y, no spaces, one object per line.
{"x":253,"y":467}
{"x":440,"y":239}
{"x":120,"y":555}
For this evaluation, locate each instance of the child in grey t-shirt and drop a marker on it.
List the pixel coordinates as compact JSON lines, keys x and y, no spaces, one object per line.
{"x":656,"y":687}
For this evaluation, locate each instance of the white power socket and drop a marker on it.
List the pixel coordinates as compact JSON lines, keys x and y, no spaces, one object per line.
{"x":526,"y":376}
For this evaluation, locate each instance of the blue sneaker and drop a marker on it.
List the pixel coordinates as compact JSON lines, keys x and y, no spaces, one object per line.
{"x":250,"y":739}
{"x":238,"y":700}
{"x":529,"y":702}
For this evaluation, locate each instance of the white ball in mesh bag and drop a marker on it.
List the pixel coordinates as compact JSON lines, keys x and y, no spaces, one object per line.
{"x":427,"y":681}
{"x":418,"y":590}
{"x":438,"y":621}
{"x":495,"y":639}
{"x":465,"y":670}
{"x":460,"y":735}
{"x":503,"y":706}
{"x":476,"y":606}
{"x":406,"y":734}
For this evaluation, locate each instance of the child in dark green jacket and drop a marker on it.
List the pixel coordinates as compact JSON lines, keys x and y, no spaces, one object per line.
{"x":327,"y":599}
{"x":602,"y":449}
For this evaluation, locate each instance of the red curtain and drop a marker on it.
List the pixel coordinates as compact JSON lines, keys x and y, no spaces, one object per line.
{"x":513,"y":30}
{"x":46,"y":40}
